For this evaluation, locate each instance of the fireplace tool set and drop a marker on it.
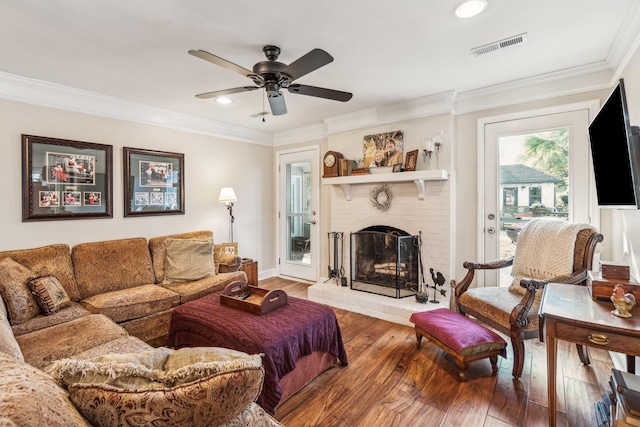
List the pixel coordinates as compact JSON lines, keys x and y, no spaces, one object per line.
{"x":437,"y":277}
{"x":337,"y":272}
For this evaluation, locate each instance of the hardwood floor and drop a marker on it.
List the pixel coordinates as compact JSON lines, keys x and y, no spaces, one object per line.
{"x":391,"y":383}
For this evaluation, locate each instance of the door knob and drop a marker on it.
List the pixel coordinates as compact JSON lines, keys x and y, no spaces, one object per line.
{"x":313,"y":221}
{"x":491,"y":230}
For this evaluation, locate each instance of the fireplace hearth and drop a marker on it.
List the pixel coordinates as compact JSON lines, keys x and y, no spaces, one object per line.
{"x":384,"y":261}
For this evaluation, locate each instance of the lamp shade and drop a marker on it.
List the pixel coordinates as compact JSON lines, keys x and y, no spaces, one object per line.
{"x":227,"y":195}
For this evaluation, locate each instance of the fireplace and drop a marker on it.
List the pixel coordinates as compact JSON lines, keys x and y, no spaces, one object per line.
{"x":384,"y":261}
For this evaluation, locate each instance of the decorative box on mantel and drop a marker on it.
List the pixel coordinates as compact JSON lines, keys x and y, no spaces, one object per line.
{"x":602,"y":288}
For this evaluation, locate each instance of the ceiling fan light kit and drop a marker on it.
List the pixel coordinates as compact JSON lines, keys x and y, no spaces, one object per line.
{"x":272,"y":76}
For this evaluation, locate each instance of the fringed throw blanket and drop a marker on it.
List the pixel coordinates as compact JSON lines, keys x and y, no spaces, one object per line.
{"x":297,"y":329}
{"x":545,"y":249}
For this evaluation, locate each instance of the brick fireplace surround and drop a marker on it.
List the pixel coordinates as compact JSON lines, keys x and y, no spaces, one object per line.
{"x":431,"y":216}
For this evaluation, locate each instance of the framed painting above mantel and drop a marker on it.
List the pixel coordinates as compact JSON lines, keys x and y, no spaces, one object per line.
{"x":64,"y":179}
{"x":153,"y":182}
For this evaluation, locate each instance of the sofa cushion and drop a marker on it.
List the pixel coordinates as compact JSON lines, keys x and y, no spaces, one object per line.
{"x":132,"y":303}
{"x":95,"y":265}
{"x":8,"y":343}
{"x":190,"y":291}
{"x":188,"y":260}
{"x":158,"y":249}
{"x":120,"y":345}
{"x":42,"y":347}
{"x":21,"y":304}
{"x":41,"y":321}
{"x":187,"y":387}
{"x":52,"y":260}
{"x":49,"y":293}
{"x":252,"y":416}
{"x":31,"y":398}
{"x":152,"y":329}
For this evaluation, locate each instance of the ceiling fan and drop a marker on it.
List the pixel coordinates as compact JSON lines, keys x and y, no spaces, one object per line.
{"x":273,"y":76}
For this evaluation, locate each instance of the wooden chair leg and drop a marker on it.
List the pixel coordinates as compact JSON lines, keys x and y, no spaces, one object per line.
{"x":517,"y":343}
{"x":583,"y":354}
{"x":418,"y":338}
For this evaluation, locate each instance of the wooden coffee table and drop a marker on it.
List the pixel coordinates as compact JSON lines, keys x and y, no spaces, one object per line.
{"x":567,"y":312}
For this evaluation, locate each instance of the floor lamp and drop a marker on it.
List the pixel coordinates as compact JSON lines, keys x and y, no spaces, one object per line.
{"x":228,"y":196}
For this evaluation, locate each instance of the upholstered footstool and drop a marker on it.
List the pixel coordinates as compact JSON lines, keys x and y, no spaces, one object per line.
{"x":461,"y":338}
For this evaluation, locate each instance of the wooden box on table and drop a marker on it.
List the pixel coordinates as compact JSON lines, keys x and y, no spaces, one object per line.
{"x":252,"y":299}
{"x":601,"y":289}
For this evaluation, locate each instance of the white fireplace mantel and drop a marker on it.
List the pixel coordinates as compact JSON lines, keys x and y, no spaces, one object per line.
{"x":419,"y":178}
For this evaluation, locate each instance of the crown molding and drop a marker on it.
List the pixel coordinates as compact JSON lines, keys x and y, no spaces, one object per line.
{"x":38,"y":92}
{"x":439,"y":103}
{"x":626,"y":41}
{"x":301,"y":134}
{"x":552,"y":85}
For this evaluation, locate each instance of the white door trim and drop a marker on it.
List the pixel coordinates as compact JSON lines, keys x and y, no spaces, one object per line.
{"x":314,"y":152}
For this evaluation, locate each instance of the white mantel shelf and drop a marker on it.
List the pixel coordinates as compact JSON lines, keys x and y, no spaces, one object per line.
{"x":417,"y":177}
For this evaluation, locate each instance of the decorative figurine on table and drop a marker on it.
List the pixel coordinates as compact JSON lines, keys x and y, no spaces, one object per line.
{"x":622,"y":302}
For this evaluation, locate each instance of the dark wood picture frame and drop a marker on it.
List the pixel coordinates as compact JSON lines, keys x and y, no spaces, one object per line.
{"x":411,"y":160}
{"x":64,"y":179}
{"x":153,"y":182}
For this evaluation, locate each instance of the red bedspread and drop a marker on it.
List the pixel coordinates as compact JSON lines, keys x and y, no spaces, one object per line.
{"x":283,"y":336}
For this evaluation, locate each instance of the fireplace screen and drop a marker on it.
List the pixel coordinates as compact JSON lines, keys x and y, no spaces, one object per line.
{"x":384,"y":261}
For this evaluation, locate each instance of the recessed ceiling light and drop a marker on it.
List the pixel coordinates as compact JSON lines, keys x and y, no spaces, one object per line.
{"x":223,"y":100}
{"x":470,"y":8}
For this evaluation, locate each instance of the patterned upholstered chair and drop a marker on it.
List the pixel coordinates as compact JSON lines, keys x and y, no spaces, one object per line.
{"x":546,"y":251}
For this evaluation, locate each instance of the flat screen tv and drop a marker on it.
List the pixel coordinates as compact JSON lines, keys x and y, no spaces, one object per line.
{"x":615,"y":149}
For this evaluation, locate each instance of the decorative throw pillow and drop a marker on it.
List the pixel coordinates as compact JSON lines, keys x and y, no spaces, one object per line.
{"x":49,"y":293}
{"x":21,"y":304}
{"x":188,"y":260}
{"x":200,"y":386}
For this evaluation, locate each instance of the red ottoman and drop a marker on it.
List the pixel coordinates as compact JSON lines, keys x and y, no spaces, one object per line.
{"x":461,"y":338}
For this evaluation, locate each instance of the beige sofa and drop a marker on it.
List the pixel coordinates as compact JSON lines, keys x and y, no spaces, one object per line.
{"x":116,"y":301}
{"x":123,"y":280}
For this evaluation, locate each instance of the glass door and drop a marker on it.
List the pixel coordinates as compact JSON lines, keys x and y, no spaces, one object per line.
{"x":297,"y":216}
{"x":533,"y":167}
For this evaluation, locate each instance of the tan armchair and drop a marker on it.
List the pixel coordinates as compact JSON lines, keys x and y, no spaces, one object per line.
{"x":514,"y":310}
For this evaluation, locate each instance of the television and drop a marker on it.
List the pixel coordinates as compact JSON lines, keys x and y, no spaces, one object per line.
{"x":615,"y":150}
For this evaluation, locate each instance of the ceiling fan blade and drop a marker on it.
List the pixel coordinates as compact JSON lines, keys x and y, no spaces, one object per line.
{"x":320,"y":92}
{"x":307,"y":63}
{"x":221,"y":62}
{"x":218,"y":93}
{"x":277,"y":104}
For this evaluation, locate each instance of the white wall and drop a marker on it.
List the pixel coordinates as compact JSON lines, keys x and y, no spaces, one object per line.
{"x":210,"y":164}
{"x":627,"y":223}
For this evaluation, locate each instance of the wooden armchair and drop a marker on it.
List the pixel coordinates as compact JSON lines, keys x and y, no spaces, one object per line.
{"x":514,"y":310}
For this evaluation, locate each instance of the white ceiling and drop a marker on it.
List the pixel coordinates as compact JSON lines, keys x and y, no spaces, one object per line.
{"x":384,"y":52}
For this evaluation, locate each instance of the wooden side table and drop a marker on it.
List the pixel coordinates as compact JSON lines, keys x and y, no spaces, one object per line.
{"x":251,"y":269}
{"x":568,"y":313}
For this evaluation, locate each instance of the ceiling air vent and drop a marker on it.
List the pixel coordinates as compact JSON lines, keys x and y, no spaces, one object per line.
{"x":500,"y":44}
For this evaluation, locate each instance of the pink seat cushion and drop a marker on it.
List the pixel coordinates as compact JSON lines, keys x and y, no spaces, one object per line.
{"x":462,"y":335}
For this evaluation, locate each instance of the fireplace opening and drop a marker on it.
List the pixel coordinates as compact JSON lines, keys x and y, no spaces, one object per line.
{"x":384,"y":261}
